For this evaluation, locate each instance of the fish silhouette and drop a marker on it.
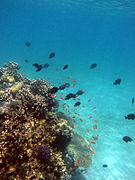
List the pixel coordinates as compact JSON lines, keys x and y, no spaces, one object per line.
{"x":127,"y":139}
{"x":117,"y":81}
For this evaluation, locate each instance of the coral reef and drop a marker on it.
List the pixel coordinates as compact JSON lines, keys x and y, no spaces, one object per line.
{"x":34,"y":139}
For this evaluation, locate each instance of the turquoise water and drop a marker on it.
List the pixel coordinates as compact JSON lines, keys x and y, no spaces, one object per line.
{"x":81,"y":33}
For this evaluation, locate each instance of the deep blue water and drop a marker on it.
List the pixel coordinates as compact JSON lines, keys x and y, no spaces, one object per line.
{"x":82,"y":33}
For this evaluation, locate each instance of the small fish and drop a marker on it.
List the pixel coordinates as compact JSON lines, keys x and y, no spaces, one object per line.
{"x":77,"y":104}
{"x":79,"y":92}
{"x":27,"y":44}
{"x":95,"y":138}
{"x":74,"y":168}
{"x":89,"y":117}
{"x":74,"y":133}
{"x":105,"y":165}
{"x":38,"y":66}
{"x":93,"y":142}
{"x":86,"y":171}
{"x":51,"y":55}
{"x":93,"y":66}
{"x":73,"y":86}
{"x":117,"y":81}
{"x":77,"y":113}
{"x":83,"y":159}
{"x":69,"y":77}
{"x":73,"y":116}
{"x":70,"y":95}
{"x":81,"y":140}
{"x":127,"y":139}
{"x":74,"y":127}
{"x":26,"y":60}
{"x":65,"y":67}
{"x":62,"y":87}
{"x":53,"y":90}
{"x":95,"y":127}
{"x":133,"y":100}
{"x":23,"y":74}
{"x":46,"y":65}
{"x":92,"y":151}
{"x":130,"y":116}
{"x":81,"y":120}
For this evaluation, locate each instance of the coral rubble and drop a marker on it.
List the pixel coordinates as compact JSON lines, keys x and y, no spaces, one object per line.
{"x":33,"y":138}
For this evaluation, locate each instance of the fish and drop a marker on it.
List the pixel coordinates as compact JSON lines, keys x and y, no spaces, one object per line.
{"x":26,"y":60}
{"x":86,"y":171}
{"x":51,"y":55}
{"x":105,"y":165}
{"x":83,"y":159}
{"x":77,"y":104}
{"x":79,"y":92}
{"x":127,"y":139}
{"x":74,"y":168}
{"x":27,"y":44}
{"x":38,"y":66}
{"x":93,"y":66}
{"x":62,"y":87}
{"x":89,"y":117}
{"x":70,"y":95}
{"x":117,"y":81}
{"x":95,"y":127}
{"x":65,"y":67}
{"x":69,"y":77}
{"x":46,"y":65}
{"x":92,"y":151}
{"x":133,"y":100}
{"x":53,"y":90}
{"x":130,"y":116}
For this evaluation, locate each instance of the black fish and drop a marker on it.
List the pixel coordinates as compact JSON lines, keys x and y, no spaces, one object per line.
{"x":27,"y":44}
{"x":93,"y":66}
{"x":51,"y":55}
{"x":53,"y":90}
{"x":105,"y":165}
{"x":70,"y":95}
{"x":67,"y":85}
{"x":77,"y":104}
{"x":26,"y":60}
{"x":133,"y":100}
{"x":46,"y":65}
{"x":117,"y":81}
{"x":127,"y":139}
{"x":38,"y":66}
{"x":62,"y":87}
{"x":65,"y":67}
{"x":130,"y":116}
{"x":80,"y":92}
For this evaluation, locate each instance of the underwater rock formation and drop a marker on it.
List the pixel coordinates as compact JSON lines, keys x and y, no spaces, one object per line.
{"x":34,"y":139}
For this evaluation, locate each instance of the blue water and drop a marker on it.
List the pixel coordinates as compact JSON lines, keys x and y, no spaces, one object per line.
{"x":82,"y":33}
